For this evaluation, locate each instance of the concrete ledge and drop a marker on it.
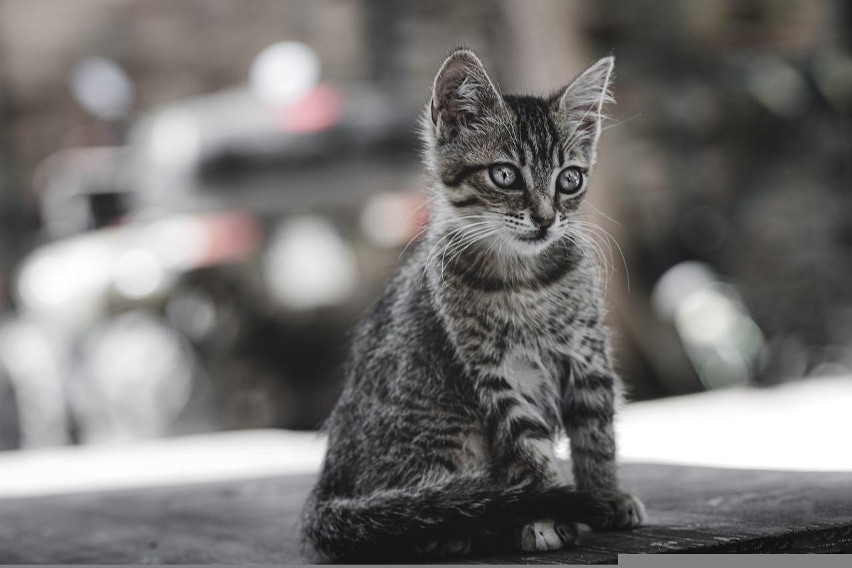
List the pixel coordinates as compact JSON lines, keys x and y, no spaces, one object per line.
{"x":254,"y":521}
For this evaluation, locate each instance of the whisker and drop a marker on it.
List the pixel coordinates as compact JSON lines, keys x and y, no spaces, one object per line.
{"x":590,"y":250}
{"x":451,"y":237}
{"x":620,"y":122}
{"x":463,"y":244}
{"x":602,"y":214}
{"x":608,"y":238}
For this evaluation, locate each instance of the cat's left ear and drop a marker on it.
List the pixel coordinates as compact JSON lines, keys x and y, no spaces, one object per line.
{"x":578,"y":106}
{"x":463,"y":96}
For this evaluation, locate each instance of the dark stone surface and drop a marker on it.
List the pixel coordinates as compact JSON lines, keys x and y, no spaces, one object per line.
{"x":691,"y":510}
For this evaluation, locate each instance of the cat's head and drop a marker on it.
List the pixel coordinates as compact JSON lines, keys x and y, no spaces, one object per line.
{"x":511,"y":169}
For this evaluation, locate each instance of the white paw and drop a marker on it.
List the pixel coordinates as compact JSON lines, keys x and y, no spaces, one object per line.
{"x":634,"y":512}
{"x":547,"y":535}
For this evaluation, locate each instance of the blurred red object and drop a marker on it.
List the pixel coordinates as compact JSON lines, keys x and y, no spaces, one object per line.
{"x":230,"y":237}
{"x":318,"y":110}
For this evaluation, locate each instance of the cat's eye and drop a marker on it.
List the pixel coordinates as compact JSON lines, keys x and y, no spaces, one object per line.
{"x":505,"y":176}
{"x":570,"y":181}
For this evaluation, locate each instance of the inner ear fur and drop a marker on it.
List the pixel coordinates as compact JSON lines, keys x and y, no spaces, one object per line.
{"x":579,"y":105}
{"x":462,"y":95}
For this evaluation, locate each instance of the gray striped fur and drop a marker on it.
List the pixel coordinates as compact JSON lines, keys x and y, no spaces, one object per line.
{"x":486,"y":345}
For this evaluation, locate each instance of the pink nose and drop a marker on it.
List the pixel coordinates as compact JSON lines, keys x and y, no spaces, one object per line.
{"x":542,"y":222}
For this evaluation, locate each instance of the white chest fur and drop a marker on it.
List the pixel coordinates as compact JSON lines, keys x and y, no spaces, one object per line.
{"x":525,"y":373}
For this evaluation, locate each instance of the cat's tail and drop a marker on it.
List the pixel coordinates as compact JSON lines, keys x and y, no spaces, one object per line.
{"x":390,"y":523}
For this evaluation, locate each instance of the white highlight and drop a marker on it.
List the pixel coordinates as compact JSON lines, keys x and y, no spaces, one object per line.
{"x":309,"y":265}
{"x":387,"y":219}
{"x":284,"y":72}
{"x":138,"y":274}
{"x":175,"y":139}
{"x":192,"y":459}
{"x":799,"y":426}
{"x":72,"y":269}
{"x":102,"y":88}
{"x":718,"y":334}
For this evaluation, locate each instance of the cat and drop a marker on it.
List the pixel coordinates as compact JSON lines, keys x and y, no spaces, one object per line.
{"x":487,"y":344}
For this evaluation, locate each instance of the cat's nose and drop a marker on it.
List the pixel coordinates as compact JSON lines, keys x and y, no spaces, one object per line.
{"x":542,"y":222}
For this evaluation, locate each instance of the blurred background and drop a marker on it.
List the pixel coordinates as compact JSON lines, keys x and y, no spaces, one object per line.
{"x":199,"y":198}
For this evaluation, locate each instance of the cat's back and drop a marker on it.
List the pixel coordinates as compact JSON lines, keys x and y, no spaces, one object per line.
{"x":402,"y":380}
{"x":399,"y":325}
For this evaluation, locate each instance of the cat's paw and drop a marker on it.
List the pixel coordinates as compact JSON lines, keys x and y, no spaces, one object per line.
{"x":547,"y":534}
{"x":626,"y":511}
{"x":440,"y":548}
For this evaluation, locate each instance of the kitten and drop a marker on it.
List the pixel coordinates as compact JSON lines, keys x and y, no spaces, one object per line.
{"x":487,"y":344}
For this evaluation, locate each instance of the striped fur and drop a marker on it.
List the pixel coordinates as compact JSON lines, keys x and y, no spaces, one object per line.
{"x":487,"y":344}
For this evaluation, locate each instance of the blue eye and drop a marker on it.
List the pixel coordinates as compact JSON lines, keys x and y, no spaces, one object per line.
{"x":505,"y":176}
{"x":570,"y":181}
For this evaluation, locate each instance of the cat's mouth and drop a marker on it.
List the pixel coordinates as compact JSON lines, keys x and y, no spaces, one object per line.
{"x":534,"y":237}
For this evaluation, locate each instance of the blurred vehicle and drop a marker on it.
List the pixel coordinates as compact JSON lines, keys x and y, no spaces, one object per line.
{"x":204,"y":276}
{"x":198,"y":265}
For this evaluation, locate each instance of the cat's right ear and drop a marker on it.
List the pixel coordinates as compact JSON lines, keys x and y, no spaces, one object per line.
{"x":579,"y":106}
{"x":462,"y":95}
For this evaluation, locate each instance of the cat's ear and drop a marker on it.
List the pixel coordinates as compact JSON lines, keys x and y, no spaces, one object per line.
{"x":579,"y":105}
{"x":462,"y":95}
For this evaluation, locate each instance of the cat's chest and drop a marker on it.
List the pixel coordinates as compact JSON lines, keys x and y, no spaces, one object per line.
{"x":529,"y":309}
{"x":539,"y":323}
{"x":528,"y":373}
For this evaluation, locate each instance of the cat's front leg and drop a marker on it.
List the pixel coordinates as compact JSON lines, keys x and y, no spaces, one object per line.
{"x":587,"y":412}
{"x":521,"y":441}
{"x":520,"y":436}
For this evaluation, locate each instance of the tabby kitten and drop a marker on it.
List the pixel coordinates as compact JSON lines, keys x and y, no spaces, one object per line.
{"x":486,"y":345}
